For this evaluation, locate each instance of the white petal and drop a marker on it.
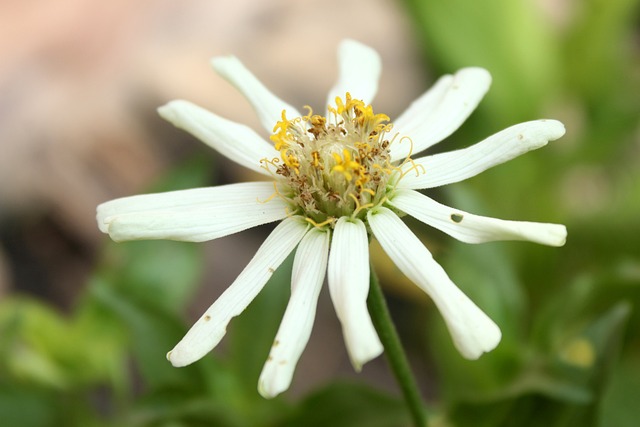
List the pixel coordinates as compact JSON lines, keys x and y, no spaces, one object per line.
{"x":359,"y":72}
{"x":454,"y":166}
{"x":207,"y":332}
{"x":268,"y":106}
{"x":426,"y":128}
{"x":235,"y":141}
{"x":473,"y":332}
{"x":200,"y":198}
{"x":423,"y":106}
{"x":309,"y":268}
{"x":349,"y":287}
{"x":191,"y":215}
{"x":472,"y":228}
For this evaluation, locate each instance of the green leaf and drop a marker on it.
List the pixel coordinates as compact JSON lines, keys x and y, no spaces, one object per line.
{"x":35,"y":343}
{"x":153,"y":332}
{"x":349,"y":405}
{"x":598,"y":47}
{"x":177,"y":408}
{"x":25,"y":407}
{"x":619,"y":406}
{"x":165,"y":274}
{"x":512,"y":39}
{"x":605,"y":334}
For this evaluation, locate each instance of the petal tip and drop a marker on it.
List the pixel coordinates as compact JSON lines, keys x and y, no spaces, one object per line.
{"x":365,"y":356}
{"x":488,"y":341}
{"x":480,"y":75}
{"x":170,"y":110}
{"x":101,"y":218}
{"x":560,"y":235}
{"x":555,"y":129}
{"x":269,"y":389}
{"x":222,"y":64}
{"x":179,"y":358}
{"x":267,"y":394}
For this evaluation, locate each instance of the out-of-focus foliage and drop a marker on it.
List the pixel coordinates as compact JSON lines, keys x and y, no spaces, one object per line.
{"x":571,"y":341}
{"x":571,"y":345}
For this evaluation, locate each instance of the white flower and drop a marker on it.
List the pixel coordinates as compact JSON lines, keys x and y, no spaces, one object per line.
{"x":333,"y":180}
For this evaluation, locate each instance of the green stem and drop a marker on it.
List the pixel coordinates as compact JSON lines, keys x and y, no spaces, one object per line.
{"x":394,"y":351}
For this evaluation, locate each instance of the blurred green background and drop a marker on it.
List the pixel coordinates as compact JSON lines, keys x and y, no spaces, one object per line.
{"x":570,"y":354}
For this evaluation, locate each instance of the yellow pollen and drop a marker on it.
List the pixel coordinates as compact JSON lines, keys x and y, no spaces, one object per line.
{"x":345,"y":165}
{"x":291,"y":161}
{"x":316,"y":160}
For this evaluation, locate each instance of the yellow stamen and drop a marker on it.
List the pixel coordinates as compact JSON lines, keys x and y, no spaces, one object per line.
{"x":309,"y":114}
{"x":322,"y":224}
{"x":358,"y":206}
{"x":283,"y":125}
{"x":316,"y":159}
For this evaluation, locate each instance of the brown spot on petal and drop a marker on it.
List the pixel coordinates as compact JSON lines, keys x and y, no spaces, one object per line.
{"x":282,"y":362}
{"x":271,"y":270}
{"x":456,"y":217}
{"x":207,"y":317}
{"x":520,"y":137}
{"x":276,"y":343}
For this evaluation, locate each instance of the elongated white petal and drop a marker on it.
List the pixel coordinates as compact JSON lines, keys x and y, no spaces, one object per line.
{"x":207,"y":332}
{"x":359,"y":72}
{"x":423,"y":106}
{"x":472,"y":228}
{"x":427,"y":128}
{"x":454,"y":166}
{"x":268,"y":106}
{"x":235,"y":141}
{"x":309,"y":268}
{"x":473,"y":332}
{"x":349,"y":286}
{"x":195,"y":198}
{"x":191,"y":215}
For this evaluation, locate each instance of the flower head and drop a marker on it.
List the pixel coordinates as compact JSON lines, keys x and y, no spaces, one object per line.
{"x":334,"y":180}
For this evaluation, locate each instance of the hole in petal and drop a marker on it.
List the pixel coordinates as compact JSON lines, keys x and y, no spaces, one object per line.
{"x":456,"y":217}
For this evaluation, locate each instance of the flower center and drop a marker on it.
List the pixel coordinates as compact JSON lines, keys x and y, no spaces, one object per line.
{"x":333,"y":166}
